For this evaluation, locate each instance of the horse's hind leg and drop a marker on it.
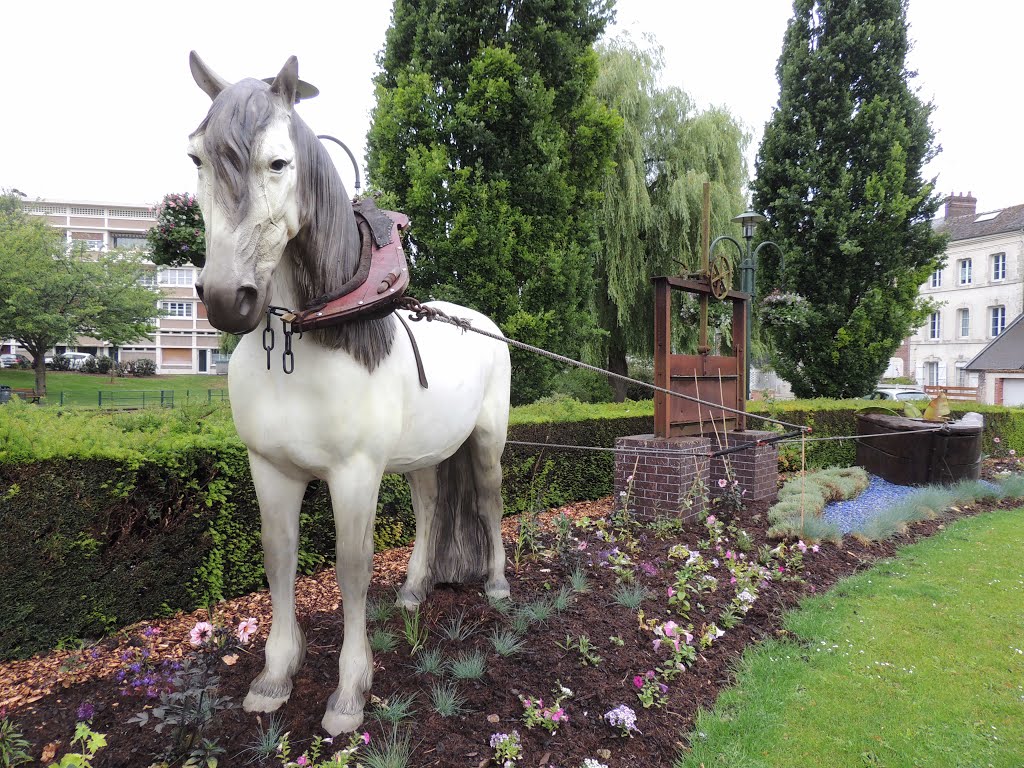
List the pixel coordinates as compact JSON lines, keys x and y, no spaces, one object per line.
{"x":488,"y":443}
{"x":280,"y":496}
{"x":354,"y":491}
{"x":423,"y":484}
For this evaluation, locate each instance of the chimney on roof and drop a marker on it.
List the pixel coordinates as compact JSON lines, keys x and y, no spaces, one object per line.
{"x":961,"y":205}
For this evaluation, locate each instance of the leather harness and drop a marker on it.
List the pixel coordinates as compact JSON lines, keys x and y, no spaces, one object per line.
{"x":379,"y":284}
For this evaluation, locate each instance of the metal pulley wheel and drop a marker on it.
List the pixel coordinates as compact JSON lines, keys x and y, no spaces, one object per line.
{"x":721,"y":276}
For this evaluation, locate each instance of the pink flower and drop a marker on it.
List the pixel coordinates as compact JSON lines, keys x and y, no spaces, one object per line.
{"x":366,"y":737}
{"x":638,"y":681}
{"x":669,"y":592}
{"x":649,"y":674}
{"x":670,"y":628}
{"x":200,"y":633}
{"x":246,"y":629}
{"x":302,"y":760}
{"x":732,"y":579}
{"x":801,"y":546}
{"x":581,"y":546}
{"x":722,"y":483}
{"x":996,"y":440}
{"x":689,"y":637}
{"x":814,"y":548}
{"x":629,"y":479}
{"x":712,"y":519}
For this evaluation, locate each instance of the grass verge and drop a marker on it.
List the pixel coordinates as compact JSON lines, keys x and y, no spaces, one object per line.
{"x":916,"y":662}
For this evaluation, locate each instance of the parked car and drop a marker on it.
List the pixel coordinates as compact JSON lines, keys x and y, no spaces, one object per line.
{"x":899,"y":393}
{"x":14,"y":360}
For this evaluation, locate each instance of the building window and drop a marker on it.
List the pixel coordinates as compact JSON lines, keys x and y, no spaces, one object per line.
{"x":177,"y":308}
{"x":998,"y":266}
{"x":937,"y":278}
{"x":964,"y":324}
{"x":998,"y":320}
{"x":931,"y":372}
{"x":935,"y":326}
{"x":175,"y":276}
{"x":131,"y":241}
{"x":148,"y":279}
{"x":965,"y":271}
{"x":963,"y":378}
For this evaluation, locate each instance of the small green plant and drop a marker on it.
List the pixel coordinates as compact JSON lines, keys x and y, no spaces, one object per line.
{"x":501,"y":604}
{"x":268,"y":736}
{"x":527,"y":537}
{"x":537,"y":612}
{"x":429,"y":662}
{"x":617,"y":641}
{"x":379,"y":610}
{"x":582,"y":646}
{"x":446,"y":699}
{"x":547,"y":717}
{"x":467,"y":666}
{"x":458,"y":628}
{"x":392,"y":751}
{"x":508,"y":750}
{"x":13,"y":745}
{"x":562,"y":600}
{"x":89,"y":742}
{"x":415,"y":633}
{"x":630,"y":595}
{"x":578,"y":580}
{"x":395,"y":710}
{"x":383,"y":640}
{"x":506,"y":642}
{"x":665,"y":526}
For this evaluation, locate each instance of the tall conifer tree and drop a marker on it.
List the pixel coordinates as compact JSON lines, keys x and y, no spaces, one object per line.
{"x":839,"y":178}
{"x":487,"y":134}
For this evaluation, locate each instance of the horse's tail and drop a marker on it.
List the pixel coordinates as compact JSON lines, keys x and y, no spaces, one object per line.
{"x":460,"y":542}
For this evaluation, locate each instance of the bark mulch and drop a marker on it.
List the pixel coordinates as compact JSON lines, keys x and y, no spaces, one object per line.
{"x":42,"y":695}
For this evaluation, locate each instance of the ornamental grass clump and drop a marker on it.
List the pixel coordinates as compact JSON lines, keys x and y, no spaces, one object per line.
{"x":802,"y":500}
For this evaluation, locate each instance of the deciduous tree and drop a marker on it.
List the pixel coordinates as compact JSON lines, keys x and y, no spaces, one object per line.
{"x":839,"y":178}
{"x":650,"y":223}
{"x":50,"y":294}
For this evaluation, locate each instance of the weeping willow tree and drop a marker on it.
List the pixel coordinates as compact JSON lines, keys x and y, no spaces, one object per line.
{"x":650,"y":223}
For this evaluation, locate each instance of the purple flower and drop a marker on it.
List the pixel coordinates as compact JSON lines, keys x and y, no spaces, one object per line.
{"x":86,"y":711}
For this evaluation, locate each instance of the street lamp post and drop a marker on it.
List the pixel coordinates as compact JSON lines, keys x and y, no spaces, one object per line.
{"x":749,"y":220}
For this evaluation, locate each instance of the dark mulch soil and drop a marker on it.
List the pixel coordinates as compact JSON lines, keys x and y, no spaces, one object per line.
{"x":42,"y":694}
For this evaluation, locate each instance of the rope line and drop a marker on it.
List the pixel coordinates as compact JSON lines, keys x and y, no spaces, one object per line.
{"x":421,"y":312}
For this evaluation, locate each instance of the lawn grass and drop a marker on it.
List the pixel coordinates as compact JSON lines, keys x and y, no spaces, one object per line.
{"x":82,"y":388}
{"x":916,"y":662}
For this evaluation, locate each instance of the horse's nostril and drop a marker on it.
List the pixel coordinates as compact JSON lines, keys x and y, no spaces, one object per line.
{"x":246,"y":299}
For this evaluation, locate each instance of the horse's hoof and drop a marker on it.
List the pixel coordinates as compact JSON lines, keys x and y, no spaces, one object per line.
{"x":408,"y":599}
{"x":257,"y":702}
{"x":497,"y":589}
{"x":337,"y":722}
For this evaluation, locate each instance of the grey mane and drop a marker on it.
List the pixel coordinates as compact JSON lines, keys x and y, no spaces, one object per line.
{"x":325,"y":252}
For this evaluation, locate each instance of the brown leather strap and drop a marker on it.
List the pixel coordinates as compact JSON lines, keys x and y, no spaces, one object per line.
{"x":358,"y":278}
{"x":415,"y":352}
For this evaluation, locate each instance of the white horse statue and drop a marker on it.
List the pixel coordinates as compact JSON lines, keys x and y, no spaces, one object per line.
{"x":280,"y":227}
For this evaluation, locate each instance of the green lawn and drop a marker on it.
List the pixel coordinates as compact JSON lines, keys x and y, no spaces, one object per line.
{"x":916,"y":662}
{"x":83,"y":389}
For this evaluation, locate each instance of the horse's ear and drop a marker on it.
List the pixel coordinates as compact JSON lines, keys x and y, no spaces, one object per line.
{"x":206,"y":78}
{"x":286,"y":84}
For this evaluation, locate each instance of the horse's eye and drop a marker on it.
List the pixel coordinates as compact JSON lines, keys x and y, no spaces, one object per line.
{"x":278,"y":165}
{"x":196,"y":160}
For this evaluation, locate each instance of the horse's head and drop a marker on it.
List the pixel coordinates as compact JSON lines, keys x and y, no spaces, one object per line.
{"x":246,"y":156}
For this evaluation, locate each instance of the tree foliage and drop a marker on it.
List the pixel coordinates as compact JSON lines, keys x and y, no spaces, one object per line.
{"x":179,"y":236}
{"x":839,"y":178}
{"x":651,"y":216}
{"x":487,"y":134}
{"x":50,"y":294}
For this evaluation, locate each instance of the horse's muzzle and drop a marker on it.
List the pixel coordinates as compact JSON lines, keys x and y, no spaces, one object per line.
{"x":230,"y":311}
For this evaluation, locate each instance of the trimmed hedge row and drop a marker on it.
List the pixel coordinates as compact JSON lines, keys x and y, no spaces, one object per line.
{"x":91,"y":545}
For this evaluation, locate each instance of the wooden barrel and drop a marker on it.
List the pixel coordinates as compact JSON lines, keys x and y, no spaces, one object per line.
{"x":949,"y":453}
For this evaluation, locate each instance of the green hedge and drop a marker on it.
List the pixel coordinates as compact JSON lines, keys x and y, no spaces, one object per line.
{"x":146,"y":514}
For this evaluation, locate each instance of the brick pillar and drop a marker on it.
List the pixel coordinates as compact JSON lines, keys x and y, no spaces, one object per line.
{"x":663,"y":472}
{"x":756,"y":468}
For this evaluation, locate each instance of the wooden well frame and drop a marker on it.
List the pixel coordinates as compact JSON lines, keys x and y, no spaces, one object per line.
{"x":716,"y":379}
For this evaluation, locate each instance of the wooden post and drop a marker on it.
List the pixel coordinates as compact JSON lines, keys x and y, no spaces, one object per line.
{"x":662,"y":356}
{"x":705,"y":268}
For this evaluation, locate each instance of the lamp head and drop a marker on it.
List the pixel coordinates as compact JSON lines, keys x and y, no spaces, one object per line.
{"x":749,"y":221}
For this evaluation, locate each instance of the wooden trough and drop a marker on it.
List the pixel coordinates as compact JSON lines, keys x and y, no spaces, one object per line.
{"x":950,"y":453}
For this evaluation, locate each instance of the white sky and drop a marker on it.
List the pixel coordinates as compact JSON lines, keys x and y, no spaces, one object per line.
{"x":100,"y":100}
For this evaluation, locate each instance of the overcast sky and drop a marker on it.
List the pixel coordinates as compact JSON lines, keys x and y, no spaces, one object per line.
{"x":100,"y":101}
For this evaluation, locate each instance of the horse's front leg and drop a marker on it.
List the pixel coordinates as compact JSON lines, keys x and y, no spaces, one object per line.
{"x":354,"y":492}
{"x":280,"y":496}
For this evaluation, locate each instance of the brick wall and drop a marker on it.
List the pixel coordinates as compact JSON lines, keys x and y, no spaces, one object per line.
{"x":663,"y":471}
{"x":756,"y":468}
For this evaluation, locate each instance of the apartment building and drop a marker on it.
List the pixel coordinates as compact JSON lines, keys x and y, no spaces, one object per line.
{"x":978,"y":292}
{"x":185,"y":342}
